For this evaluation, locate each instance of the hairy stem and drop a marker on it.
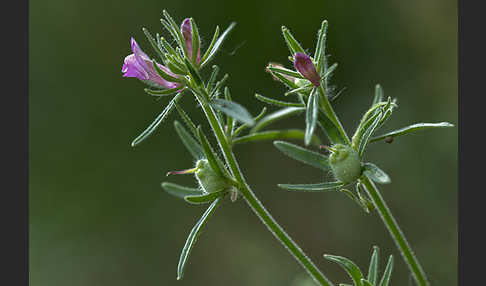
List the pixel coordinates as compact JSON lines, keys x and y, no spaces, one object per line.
{"x":395,"y":231}
{"x":329,"y":111}
{"x":253,"y":201}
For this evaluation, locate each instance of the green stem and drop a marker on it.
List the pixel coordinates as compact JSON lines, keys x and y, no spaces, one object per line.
{"x":326,"y":106}
{"x":395,"y":231}
{"x":253,"y":201}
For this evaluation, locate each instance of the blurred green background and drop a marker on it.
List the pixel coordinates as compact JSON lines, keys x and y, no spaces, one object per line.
{"x":97,"y":213}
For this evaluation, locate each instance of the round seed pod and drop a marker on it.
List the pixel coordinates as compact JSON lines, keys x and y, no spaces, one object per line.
{"x":345,"y":163}
{"x":208,"y":180}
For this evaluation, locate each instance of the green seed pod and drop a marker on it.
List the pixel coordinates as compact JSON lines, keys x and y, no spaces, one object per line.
{"x":208,"y":180}
{"x":345,"y":163}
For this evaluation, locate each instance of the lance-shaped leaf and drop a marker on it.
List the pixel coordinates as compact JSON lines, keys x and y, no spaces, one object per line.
{"x":234,"y":110}
{"x":410,"y":129}
{"x":211,"y":45}
{"x":218,"y":86}
{"x":275,"y":116}
{"x":212,"y":78}
{"x":302,"y":89}
{"x":379,"y":95}
{"x":373,"y":269}
{"x":180,"y":191}
{"x":365,"y":282}
{"x":154,"y":45}
{"x":385,"y":280}
{"x":278,"y":102}
{"x":348,"y":265}
{"x":157,"y":121}
{"x":326,"y":186}
{"x":195,"y":42}
{"x":292,"y":43}
{"x":208,"y":56}
{"x":367,"y":134}
{"x":375,"y":173}
{"x":213,"y":159}
{"x":303,"y":155}
{"x":164,"y":74}
{"x":204,"y":198}
{"x":285,"y":72}
{"x":276,"y":134}
{"x":194,"y":74}
{"x":163,"y":92}
{"x":329,"y":128}
{"x":176,"y":32}
{"x":311,"y":116}
{"x":186,"y":119}
{"x":191,"y":144}
{"x":320,"y":53}
{"x":192,"y":238}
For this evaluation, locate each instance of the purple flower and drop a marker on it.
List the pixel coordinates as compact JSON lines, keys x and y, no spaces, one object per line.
{"x":140,"y":66}
{"x":186,"y":31}
{"x":303,"y":64}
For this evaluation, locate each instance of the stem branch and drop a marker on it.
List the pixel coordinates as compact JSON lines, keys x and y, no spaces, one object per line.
{"x":395,"y":231}
{"x":253,"y":201}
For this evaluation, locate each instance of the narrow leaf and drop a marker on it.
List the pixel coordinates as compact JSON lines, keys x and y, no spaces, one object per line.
{"x":320,"y":54}
{"x":311,"y":116}
{"x":195,"y":41}
{"x":192,"y":238}
{"x":211,"y":45}
{"x":373,"y":270}
{"x":276,"y":134}
{"x":284,"y":71}
{"x":157,"y":121}
{"x":154,"y":45}
{"x":302,"y":89}
{"x":329,"y":129}
{"x":348,"y":265}
{"x":303,"y":155}
{"x":194,"y":74}
{"x":191,"y":144}
{"x":292,"y":43}
{"x":204,"y":198}
{"x":163,"y":74}
{"x":210,"y":154}
{"x":378,"y":95}
{"x":385,"y":280}
{"x":326,"y":186}
{"x":176,"y":31}
{"x":410,"y":129}
{"x":234,"y":110}
{"x":278,"y":102}
{"x":376,"y":174}
{"x":218,"y":44}
{"x":212,"y":78}
{"x":180,"y":191}
{"x":365,"y":282}
{"x":186,"y":119}
{"x":162,"y":92}
{"x":367,"y":134}
{"x":275,"y":116}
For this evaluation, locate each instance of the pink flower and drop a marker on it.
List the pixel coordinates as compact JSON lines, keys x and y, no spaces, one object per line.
{"x":140,"y":66}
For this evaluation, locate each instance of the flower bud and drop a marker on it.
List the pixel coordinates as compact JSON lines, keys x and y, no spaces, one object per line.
{"x":303,"y":64}
{"x":208,"y":180}
{"x":186,"y":31}
{"x":345,"y":163}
